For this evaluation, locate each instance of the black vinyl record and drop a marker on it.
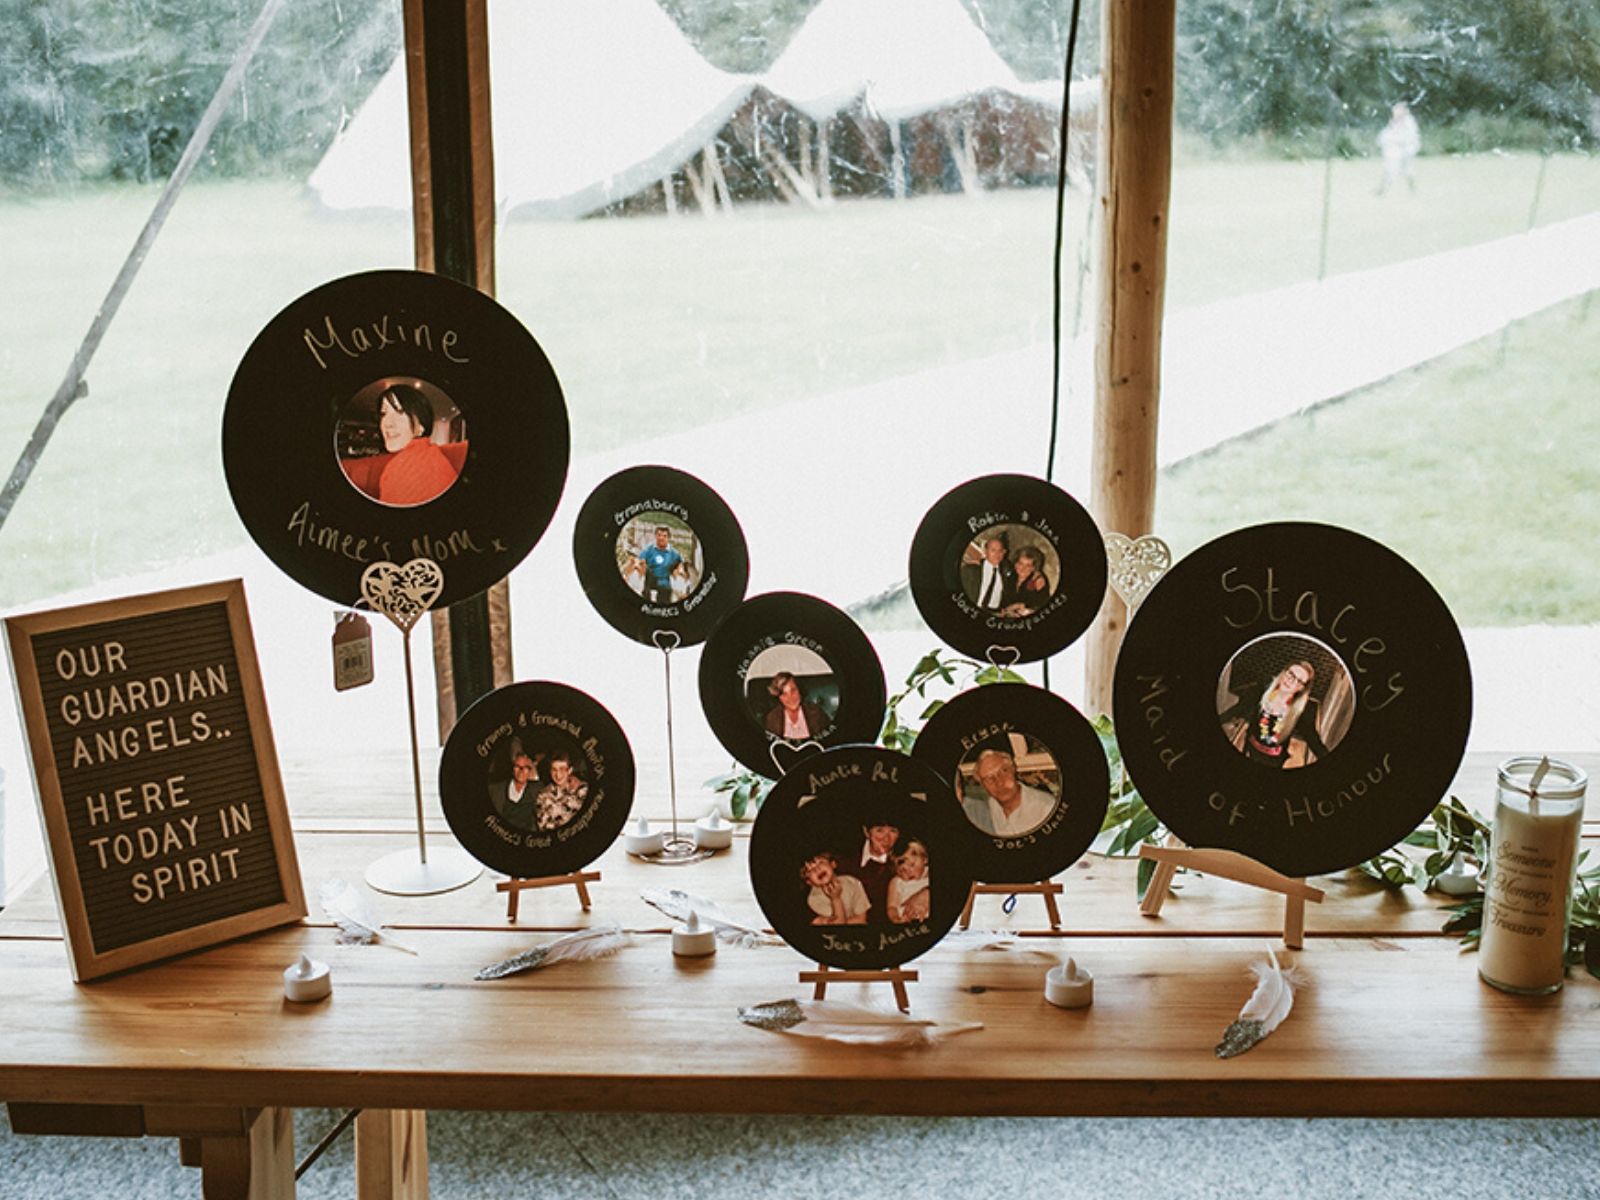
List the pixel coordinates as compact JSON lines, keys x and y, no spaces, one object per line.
{"x":1027,"y":770}
{"x":855,"y":860}
{"x":786,"y":675}
{"x":1008,"y":568}
{"x":1296,"y":692}
{"x":536,"y":779}
{"x":660,"y":556}
{"x":390,"y":416}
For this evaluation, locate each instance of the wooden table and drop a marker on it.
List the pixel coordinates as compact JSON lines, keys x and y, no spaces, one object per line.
{"x":1393,"y":1020}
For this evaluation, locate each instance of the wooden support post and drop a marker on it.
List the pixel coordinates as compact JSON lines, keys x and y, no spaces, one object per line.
{"x":392,"y":1154}
{"x":1135,"y":182}
{"x":513,"y":888}
{"x":242,"y":1153}
{"x":824,"y":975}
{"x":452,"y":216}
{"x":1046,"y":889}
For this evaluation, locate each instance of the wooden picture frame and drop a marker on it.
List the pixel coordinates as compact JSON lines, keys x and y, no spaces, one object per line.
{"x":156,"y":775}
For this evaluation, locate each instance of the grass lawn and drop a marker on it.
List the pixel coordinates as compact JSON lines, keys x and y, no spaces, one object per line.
{"x":1479,"y":467}
{"x":655,"y":325}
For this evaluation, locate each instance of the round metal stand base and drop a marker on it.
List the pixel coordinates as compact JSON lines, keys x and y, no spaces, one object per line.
{"x":405,"y":874}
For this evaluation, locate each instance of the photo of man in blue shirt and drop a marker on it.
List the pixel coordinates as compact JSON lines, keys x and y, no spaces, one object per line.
{"x":659,"y":563}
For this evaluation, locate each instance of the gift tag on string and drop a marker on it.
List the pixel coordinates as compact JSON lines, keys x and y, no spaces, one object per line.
{"x":352,"y":651}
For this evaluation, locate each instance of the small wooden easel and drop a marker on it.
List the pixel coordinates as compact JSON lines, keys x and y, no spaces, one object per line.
{"x":515,"y":887}
{"x":1228,"y":864}
{"x":824,"y":975}
{"x":1048,"y":890}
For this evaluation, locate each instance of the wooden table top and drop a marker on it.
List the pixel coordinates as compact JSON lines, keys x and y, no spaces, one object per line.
{"x":1392,"y":1019}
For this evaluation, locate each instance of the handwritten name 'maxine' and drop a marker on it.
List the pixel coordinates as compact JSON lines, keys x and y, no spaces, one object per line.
{"x":377,"y":335}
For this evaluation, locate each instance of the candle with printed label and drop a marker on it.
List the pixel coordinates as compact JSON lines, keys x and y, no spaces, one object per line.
{"x":1538,"y":818}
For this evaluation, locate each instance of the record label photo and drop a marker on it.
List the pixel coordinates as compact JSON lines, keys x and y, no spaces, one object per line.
{"x":786,"y":675}
{"x":1295,"y":692}
{"x":858,"y":862}
{"x":1028,"y":772}
{"x":660,"y":555}
{"x":536,"y":779}
{"x":1008,"y":566}
{"x":391,"y":416}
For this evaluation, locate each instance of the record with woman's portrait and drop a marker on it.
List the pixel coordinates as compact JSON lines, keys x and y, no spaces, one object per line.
{"x":1027,"y":770}
{"x":786,"y":675}
{"x":390,"y":416}
{"x":857,"y":861}
{"x":1008,"y":568}
{"x":1296,"y":692}
{"x":660,"y":556}
{"x":536,"y":779}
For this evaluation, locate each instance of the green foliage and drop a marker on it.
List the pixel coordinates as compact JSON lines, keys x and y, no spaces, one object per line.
{"x":931,"y":668}
{"x":746,"y":790}
{"x":98,"y":89}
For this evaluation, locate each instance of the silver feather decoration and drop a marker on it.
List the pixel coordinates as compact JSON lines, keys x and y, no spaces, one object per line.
{"x":853,"y":1024}
{"x":678,"y":904}
{"x":572,"y":947}
{"x":347,"y":908}
{"x":1268,"y":1005}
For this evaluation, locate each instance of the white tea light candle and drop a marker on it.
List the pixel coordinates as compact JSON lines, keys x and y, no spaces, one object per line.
{"x":1538,"y":818}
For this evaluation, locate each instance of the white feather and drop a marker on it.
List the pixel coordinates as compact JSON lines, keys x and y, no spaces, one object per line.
{"x":852,"y":1024}
{"x":347,"y":908}
{"x":582,"y":946}
{"x":679,"y":904}
{"x":1266,"y":1009}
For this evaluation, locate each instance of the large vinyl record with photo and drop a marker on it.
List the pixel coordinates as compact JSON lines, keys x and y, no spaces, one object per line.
{"x":1027,"y":770}
{"x":1295,"y":692}
{"x":786,"y":675}
{"x":389,"y":416}
{"x":858,"y":862}
{"x":536,"y":779}
{"x":1008,"y":568}
{"x":660,"y":556}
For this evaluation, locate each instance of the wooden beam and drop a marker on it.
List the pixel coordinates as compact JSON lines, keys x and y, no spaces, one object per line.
{"x":453,"y":225}
{"x":1135,"y":184}
{"x":391,"y":1154}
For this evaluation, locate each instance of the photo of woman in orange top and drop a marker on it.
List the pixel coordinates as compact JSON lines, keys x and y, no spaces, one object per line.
{"x":410,"y":469}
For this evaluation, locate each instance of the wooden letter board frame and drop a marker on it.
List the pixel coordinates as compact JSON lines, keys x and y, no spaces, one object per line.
{"x":22,"y":632}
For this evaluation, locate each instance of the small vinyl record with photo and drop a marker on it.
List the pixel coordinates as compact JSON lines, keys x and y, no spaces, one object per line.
{"x":786,"y":675}
{"x":857,"y":861}
{"x":536,"y":779}
{"x":1027,"y":771}
{"x":660,"y":556}
{"x":391,"y":416}
{"x":1008,"y":565}
{"x":1295,"y":692}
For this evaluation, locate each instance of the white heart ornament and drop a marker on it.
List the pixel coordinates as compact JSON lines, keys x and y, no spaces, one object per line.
{"x":786,"y":754}
{"x":402,"y":594}
{"x":1136,"y":565}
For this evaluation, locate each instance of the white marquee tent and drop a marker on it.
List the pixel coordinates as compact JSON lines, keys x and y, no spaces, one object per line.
{"x":592,"y":102}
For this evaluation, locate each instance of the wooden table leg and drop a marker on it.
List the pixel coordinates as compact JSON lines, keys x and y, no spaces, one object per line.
{"x":242,"y":1153}
{"x":392,"y":1154}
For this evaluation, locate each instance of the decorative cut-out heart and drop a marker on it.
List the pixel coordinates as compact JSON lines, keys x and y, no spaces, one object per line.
{"x":1136,"y":565}
{"x":666,"y":639}
{"x":402,"y":594}
{"x":786,"y":754}
{"x":1003,"y":657}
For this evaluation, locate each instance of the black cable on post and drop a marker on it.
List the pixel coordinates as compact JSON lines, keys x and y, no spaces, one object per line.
{"x":1055,"y":260}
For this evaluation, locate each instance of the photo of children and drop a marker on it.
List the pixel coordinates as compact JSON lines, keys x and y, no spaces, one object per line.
{"x":1009,"y":786}
{"x":660,"y":558}
{"x":401,"y":442}
{"x":1010,"y":569}
{"x":878,"y":877}
{"x":537,"y":782}
{"x":1285,"y":701}
{"x":791,"y":692}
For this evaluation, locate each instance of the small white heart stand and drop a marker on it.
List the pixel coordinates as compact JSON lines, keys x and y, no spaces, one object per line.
{"x":676,"y":849}
{"x":404,"y":594}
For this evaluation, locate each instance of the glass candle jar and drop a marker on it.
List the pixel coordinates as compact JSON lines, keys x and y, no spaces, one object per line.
{"x":1528,"y":900}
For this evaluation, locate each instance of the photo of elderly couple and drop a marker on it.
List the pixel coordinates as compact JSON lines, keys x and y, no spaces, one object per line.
{"x":882,"y":879}
{"x":539,"y":783}
{"x":1010,"y":570}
